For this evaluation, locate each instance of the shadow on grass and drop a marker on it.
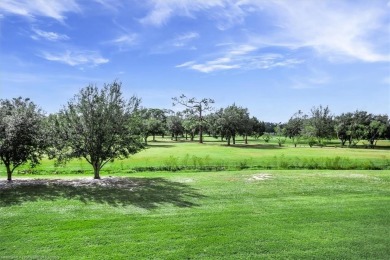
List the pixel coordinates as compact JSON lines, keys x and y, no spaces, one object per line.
{"x":256,"y":146}
{"x":147,"y":193}
{"x":160,"y":146}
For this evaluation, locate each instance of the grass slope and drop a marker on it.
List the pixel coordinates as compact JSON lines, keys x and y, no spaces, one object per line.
{"x":203,"y":215}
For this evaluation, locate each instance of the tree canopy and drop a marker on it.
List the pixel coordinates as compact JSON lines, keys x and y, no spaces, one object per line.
{"x":98,"y":126}
{"x":21,"y":133}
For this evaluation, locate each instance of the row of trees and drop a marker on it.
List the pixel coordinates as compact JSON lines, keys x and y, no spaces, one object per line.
{"x":321,"y":125}
{"x":100,"y":125}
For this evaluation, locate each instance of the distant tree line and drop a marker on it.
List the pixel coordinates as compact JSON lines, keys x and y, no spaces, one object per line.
{"x":99,"y":125}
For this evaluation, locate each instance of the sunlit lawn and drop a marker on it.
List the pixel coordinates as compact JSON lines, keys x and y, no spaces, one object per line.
{"x":247,"y":214}
{"x":203,"y":215}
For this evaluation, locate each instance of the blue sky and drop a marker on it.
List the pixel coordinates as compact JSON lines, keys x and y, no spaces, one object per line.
{"x":274,"y":57}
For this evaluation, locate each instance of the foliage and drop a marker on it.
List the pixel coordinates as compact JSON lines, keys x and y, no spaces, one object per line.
{"x":175,"y":125}
{"x":280,"y":135}
{"x":295,"y":126}
{"x":196,"y":108}
{"x":266,"y":137}
{"x":321,"y":123}
{"x":233,"y":120}
{"x":22,"y":136}
{"x":153,"y":122}
{"x":98,"y":126}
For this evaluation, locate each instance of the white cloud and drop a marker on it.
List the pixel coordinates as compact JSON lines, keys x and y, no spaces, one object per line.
{"x":50,"y":36}
{"x":162,"y":10}
{"x":337,"y":30}
{"x":124,"y":41}
{"x":184,"y":39}
{"x":245,"y":57}
{"x":76,"y":58}
{"x":207,"y":67}
{"x":31,"y":8}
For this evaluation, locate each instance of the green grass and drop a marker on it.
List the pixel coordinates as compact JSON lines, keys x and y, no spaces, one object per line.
{"x":202,"y":215}
{"x":235,"y":214}
{"x":214,"y":155}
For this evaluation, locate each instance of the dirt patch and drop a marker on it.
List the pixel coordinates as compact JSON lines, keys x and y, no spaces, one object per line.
{"x":85,"y":182}
{"x":260,"y":177}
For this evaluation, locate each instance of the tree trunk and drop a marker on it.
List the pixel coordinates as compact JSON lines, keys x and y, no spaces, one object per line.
{"x":9,"y":173}
{"x":96,"y":170}
{"x":154,"y":138}
{"x":200,"y":125}
{"x":228,"y":141}
{"x":200,"y":133}
{"x":234,"y":139}
{"x":146,"y":140}
{"x":246,"y":139}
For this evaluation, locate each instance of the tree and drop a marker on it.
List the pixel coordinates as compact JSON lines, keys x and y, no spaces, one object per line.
{"x":196,"y":108}
{"x":232,"y":122}
{"x":376,"y":129}
{"x":322,"y":122}
{"x":343,"y":127}
{"x":98,"y":126}
{"x":294,"y":127}
{"x":190,"y":127}
{"x":21,"y":133}
{"x":175,"y":125}
{"x":152,"y":123}
{"x":258,"y":127}
{"x":280,"y":135}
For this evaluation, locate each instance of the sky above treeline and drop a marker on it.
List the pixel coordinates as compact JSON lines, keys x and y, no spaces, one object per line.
{"x":273,"y":57}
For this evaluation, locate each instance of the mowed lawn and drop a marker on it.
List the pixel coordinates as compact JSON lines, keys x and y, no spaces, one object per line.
{"x":200,"y":215}
{"x":257,"y":154}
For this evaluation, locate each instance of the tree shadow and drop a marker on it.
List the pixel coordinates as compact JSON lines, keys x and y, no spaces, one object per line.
{"x":160,"y":146}
{"x":256,"y":146}
{"x":147,"y":193}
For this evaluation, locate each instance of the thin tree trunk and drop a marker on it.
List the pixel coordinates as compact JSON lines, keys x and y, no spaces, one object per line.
{"x":154,"y":137}
{"x":200,"y":126}
{"x":246,"y":139}
{"x":234,"y":139}
{"x":9,"y":173}
{"x":228,"y":141}
{"x":96,"y":170}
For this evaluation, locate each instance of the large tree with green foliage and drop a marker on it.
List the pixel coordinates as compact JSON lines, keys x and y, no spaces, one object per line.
{"x":21,"y":133}
{"x":321,"y":121}
{"x":153,"y":122}
{"x":98,"y":125}
{"x":295,"y":126}
{"x":196,"y":108}
{"x":175,"y":125}
{"x":232,"y":122}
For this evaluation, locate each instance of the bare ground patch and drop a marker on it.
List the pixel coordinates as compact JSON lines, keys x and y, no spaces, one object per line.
{"x":260,"y":177}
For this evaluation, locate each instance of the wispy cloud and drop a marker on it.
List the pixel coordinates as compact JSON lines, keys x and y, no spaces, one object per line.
{"x":333,"y":29}
{"x":184,"y":39}
{"x":50,"y":36}
{"x":162,"y":10}
{"x":336,"y":30}
{"x":55,"y":9}
{"x":245,"y":57}
{"x":76,"y":58}
{"x":312,"y":79}
{"x":124,"y":41}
